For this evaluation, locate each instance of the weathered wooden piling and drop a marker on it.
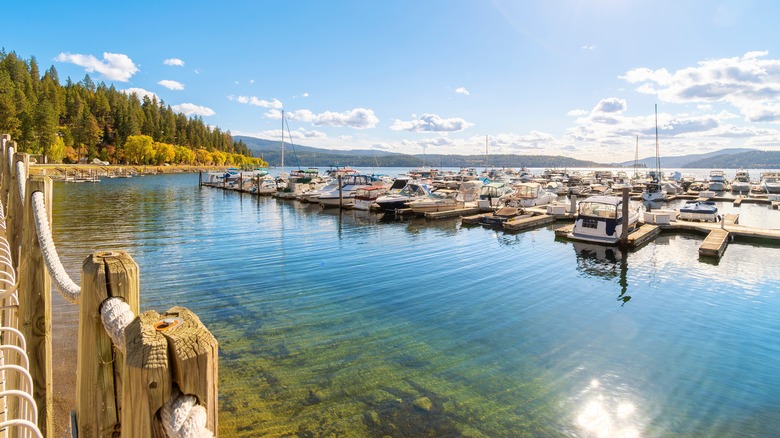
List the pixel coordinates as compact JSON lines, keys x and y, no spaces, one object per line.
{"x":35,"y":307}
{"x":99,"y":367}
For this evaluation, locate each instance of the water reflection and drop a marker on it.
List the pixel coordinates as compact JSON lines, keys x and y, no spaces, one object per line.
{"x":603,"y":261}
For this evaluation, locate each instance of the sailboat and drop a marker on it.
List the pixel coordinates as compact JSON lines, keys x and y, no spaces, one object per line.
{"x":654,"y":190}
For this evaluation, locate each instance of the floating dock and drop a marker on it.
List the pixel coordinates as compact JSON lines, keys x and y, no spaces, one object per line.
{"x":528,"y":222}
{"x":714,"y":244}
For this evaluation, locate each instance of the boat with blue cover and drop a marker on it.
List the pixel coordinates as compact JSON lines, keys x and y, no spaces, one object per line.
{"x":699,"y":210}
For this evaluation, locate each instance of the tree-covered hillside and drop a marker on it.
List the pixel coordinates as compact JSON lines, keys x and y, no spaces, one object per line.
{"x":82,"y":121}
{"x":745,"y":160}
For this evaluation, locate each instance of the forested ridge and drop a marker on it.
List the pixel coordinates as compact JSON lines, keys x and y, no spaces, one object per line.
{"x":78,"y":122}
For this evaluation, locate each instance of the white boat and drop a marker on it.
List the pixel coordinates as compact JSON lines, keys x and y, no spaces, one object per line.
{"x":741,"y":182}
{"x":705,"y":211}
{"x":530,"y":194}
{"x":440,"y":200}
{"x":365,"y":197}
{"x":349,"y":185}
{"x":267,"y":186}
{"x":397,"y":199}
{"x":770,"y":182}
{"x":495,"y":194}
{"x":600,"y":220}
{"x":557,"y":187}
{"x":654,"y":191}
{"x":717,"y":181}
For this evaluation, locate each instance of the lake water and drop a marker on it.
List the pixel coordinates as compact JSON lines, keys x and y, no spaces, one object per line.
{"x":350,"y":324}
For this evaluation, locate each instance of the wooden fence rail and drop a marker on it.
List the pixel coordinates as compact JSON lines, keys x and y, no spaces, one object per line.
{"x":122,"y":390}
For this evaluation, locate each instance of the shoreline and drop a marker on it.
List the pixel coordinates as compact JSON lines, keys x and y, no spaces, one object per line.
{"x":59,"y":171}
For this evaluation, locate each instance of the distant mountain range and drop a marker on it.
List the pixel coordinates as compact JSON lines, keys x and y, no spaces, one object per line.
{"x":307,"y":156}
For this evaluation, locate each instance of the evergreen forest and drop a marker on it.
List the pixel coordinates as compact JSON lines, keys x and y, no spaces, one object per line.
{"x":83,"y":121}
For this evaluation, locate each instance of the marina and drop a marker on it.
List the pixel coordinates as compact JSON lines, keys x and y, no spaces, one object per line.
{"x":557,"y":336}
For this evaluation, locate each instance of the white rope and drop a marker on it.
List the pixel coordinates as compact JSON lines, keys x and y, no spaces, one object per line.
{"x":116,"y":315}
{"x":21,"y":179}
{"x":182,"y":416}
{"x":68,"y":289}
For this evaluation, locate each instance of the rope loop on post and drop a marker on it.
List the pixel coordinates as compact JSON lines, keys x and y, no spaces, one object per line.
{"x":68,"y":289}
{"x":21,"y":179}
{"x":182,"y":416}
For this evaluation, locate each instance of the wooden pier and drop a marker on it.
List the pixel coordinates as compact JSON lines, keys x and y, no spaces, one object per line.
{"x":715,"y":243}
{"x":528,"y":222}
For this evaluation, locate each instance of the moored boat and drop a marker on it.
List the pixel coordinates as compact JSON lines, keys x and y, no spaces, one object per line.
{"x":717,"y":181}
{"x":394,"y":200}
{"x":741,"y":182}
{"x":530,"y":194}
{"x":600,"y":220}
{"x":705,"y":211}
{"x":365,"y":197}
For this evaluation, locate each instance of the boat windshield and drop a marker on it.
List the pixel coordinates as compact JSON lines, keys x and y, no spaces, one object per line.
{"x":598,"y":209}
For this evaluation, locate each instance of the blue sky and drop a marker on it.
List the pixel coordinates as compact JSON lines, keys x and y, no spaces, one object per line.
{"x":548,"y":77}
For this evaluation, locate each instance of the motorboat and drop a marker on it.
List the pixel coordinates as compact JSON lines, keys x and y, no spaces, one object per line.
{"x":717,"y":181}
{"x":741,"y":182}
{"x":600,"y":220}
{"x":494,"y":194}
{"x":267,"y":186}
{"x":770,"y":182}
{"x":557,"y":187}
{"x":530,"y":194}
{"x":705,"y":211}
{"x":654,"y":189}
{"x":439,"y":200}
{"x":297,"y":182}
{"x":345,"y":195}
{"x":365,"y":197}
{"x":394,"y":200}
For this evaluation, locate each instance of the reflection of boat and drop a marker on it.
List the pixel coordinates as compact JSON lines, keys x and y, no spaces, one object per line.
{"x":605,"y":262}
{"x":600,"y":219}
{"x":699,"y":210}
{"x":530,"y":195}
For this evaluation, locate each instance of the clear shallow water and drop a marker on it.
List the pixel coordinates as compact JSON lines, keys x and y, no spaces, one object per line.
{"x":347,"y":324}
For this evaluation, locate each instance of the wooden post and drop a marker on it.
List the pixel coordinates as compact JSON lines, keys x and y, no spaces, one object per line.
{"x":200,"y":178}
{"x":573,"y":206}
{"x":341,"y":199}
{"x":35,"y":307}
{"x":163,"y":350}
{"x":98,"y":381}
{"x":15,"y":210}
{"x":624,"y":229}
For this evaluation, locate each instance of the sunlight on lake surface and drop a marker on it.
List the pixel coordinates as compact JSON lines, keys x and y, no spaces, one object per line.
{"x":352,"y":324}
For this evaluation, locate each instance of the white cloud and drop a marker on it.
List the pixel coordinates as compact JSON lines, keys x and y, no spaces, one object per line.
{"x":589,"y":48}
{"x":171,"y":85}
{"x":577,"y":113}
{"x":174,"y":61}
{"x":192,"y":109}
{"x":114,"y":66}
{"x":750,"y":83}
{"x":251,"y":82}
{"x":358,"y":118}
{"x":273,"y":103}
{"x":140,"y":92}
{"x":431,"y":123}
{"x":462,"y":90}
{"x":610,"y":105}
{"x":298,"y":134}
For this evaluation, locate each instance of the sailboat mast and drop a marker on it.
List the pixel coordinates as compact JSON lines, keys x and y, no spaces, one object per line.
{"x":487,"y":155}
{"x":636,"y":155}
{"x":282,"y":140}
{"x":657,"y":151}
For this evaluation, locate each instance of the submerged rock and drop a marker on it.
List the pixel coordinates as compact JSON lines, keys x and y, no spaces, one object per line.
{"x":423,"y":404}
